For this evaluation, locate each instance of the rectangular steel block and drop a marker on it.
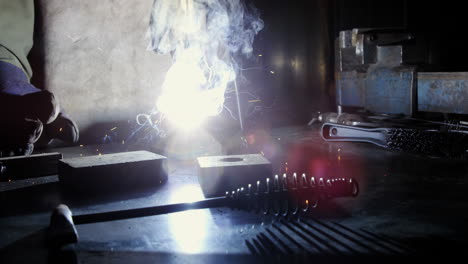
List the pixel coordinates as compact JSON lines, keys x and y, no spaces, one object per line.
{"x":218,"y":174}
{"x":445,"y":92}
{"x":113,"y":172}
{"x":23,"y":167}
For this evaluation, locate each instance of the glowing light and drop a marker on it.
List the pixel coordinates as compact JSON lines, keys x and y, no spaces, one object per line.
{"x":81,"y":146}
{"x":201,"y":36}
{"x":272,"y":72}
{"x":189,"y":228}
{"x":190,"y":92}
{"x":187,"y":194}
{"x":114,"y":128}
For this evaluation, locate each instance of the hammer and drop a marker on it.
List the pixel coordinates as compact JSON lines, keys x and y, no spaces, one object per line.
{"x":62,"y":230}
{"x":268,"y":196}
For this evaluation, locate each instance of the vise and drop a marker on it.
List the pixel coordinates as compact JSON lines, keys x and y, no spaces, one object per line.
{"x":385,"y":71}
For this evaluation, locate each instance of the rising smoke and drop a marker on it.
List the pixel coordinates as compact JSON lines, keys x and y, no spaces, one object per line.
{"x":202,"y":36}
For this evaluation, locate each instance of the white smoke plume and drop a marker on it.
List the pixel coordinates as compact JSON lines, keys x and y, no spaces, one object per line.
{"x":201,"y":36}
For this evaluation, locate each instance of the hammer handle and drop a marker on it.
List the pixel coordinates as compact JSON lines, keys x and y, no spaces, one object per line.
{"x":148,"y":211}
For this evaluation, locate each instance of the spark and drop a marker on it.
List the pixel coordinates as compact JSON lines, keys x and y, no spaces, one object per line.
{"x":260,"y":55}
{"x":114,"y":128}
{"x":272,"y":72}
{"x":230,"y":113}
{"x":81,"y":146}
{"x":254,"y":101}
{"x":60,"y":130}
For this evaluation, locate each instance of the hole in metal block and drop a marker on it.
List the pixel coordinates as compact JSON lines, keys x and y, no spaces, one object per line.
{"x":334,"y":131}
{"x":232,"y":159}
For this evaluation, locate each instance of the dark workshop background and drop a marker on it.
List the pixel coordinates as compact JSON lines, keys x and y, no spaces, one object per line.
{"x":93,"y":54}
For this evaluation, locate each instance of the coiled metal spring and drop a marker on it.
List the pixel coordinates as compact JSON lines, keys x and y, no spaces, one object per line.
{"x":291,"y":194}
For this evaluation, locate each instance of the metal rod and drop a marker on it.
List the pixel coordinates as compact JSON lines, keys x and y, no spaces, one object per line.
{"x":148,"y":211}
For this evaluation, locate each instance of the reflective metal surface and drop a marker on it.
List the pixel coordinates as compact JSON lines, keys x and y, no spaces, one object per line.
{"x":402,"y":196}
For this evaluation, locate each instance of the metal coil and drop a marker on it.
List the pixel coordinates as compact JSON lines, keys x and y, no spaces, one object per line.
{"x":291,"y":194}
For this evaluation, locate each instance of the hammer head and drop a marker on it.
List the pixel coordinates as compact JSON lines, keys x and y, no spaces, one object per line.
{"x":61,"y":230}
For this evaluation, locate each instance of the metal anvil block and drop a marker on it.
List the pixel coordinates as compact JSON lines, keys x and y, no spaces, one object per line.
{"x":218,"y":174}
{"x":118,"y":172}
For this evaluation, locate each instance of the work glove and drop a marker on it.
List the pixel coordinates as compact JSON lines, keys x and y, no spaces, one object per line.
{"x":26,"y":113}
{"x":18,"y":136}
{"x":63,"y":128}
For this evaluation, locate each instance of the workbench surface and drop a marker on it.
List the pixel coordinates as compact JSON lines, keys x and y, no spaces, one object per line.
{"x":407,"y":204}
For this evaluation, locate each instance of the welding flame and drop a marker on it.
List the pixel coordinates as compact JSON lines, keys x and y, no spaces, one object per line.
{"x":201,"y":36}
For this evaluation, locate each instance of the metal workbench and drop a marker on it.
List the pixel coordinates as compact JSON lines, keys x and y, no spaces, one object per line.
{"x":408,"y":204}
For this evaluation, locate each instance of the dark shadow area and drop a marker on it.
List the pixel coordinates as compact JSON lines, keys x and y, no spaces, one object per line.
{"x":317,"y":238}
{"x":33,"y":244}
{"x":296,"y":48}
{"x":45,"y":197}
{"x":29,"y":200}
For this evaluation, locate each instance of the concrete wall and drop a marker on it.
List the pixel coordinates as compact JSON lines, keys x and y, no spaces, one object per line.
{"x":95,"y":59}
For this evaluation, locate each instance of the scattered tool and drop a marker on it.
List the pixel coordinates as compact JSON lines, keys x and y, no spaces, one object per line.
{"x":282,"y":196}
{"x":429,"y":142}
